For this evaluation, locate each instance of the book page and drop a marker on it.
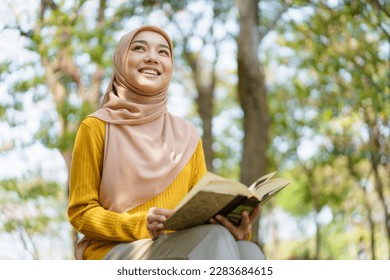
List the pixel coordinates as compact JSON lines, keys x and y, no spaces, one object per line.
{"x":270,"y":186}
{"x":214,"y":183}
{"x":261,"y":180}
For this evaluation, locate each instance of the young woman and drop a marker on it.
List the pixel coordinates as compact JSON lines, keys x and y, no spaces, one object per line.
{"x":133,"y":162}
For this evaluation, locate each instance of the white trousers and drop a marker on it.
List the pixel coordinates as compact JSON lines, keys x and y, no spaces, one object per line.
{"x":205,"y":242}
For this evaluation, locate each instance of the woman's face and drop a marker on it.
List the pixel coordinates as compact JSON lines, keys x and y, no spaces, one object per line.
{"x":149,"y":63}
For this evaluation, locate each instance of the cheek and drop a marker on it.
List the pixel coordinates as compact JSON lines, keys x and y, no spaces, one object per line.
{"x":130,"y":69}
{"x":130,"y":64}
{"x":169,"y":68}
{"x":170,"y":72}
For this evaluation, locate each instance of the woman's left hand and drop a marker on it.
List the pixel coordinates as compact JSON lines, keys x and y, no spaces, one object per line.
{"x":242,"y":231}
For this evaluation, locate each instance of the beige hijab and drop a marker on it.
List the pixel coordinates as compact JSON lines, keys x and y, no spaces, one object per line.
{"x":145,"y":147}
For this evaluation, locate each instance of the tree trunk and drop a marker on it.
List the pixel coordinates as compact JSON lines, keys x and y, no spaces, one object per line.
{"x":371,"y":223}
{"x":317,"y":208}
{"x":205,"y":93}
{"x":205,"y":103}
{"x":376,"y":148}
{"x":367,"y":206}
{"x":64,"y":65}
{"x":205,"y":109}
{"x":380,"y":191}
{"x":315,"y":193}
{"x":252,"y":95}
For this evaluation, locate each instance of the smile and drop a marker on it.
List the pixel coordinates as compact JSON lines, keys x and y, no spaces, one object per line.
{"x":149,"y":72}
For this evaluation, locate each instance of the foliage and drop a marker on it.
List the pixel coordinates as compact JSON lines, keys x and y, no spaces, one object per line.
{"x":337,"y":105}
{"x":32,"y":207}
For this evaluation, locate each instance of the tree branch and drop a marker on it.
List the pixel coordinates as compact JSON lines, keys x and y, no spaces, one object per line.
{"x":46,"y":4}
{"x":381,"y":7}
{"x":273,"y":23}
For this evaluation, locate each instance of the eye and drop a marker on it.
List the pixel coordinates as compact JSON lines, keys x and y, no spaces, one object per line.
{"x":164,"y":52}
{"x":138,"y":48}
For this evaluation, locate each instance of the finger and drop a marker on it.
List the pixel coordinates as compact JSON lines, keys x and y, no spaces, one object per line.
{"x":155,"y":218}
{"x":254,"y":213}
{"x":159,"y":215}
{"x":245,"y":221}
{"x":154,"y":226}
{"x":239,"y":233}
{"x":226,"y":223}
{"x":156,"y":234}
{"x":152,"y":210}
{"x":162,"y":212}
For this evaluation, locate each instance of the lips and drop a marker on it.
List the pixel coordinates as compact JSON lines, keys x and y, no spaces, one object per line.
{"x":149,"y":71}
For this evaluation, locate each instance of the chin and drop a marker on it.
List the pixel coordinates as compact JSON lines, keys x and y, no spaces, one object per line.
{"x":149,"y":88}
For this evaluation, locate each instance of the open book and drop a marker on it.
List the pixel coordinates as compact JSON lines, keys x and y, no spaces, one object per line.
{"x":214,"y":195}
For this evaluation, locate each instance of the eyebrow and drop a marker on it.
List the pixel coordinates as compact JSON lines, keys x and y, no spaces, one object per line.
{"x":145,"y":42}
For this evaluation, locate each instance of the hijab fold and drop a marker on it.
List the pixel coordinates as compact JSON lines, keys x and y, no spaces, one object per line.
{"x":145,"y":147}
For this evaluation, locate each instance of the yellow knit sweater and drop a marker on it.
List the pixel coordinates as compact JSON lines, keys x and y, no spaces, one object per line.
{"x":105,"y":227}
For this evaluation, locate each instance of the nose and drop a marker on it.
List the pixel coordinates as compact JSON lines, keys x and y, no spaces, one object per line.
{"x":151,"y":57}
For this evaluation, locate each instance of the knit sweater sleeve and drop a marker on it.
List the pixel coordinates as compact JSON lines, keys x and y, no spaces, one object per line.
{"x":84,"y":211}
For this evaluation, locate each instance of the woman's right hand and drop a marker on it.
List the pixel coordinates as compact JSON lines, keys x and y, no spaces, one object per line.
{"x":241,"y":232}
{"x":155,"y":221}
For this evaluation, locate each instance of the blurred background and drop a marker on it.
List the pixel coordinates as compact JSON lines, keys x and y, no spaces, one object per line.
{"x":301,"y":87}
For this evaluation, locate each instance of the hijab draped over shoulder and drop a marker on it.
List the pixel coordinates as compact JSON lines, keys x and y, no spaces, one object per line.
{"x":145,"y":146}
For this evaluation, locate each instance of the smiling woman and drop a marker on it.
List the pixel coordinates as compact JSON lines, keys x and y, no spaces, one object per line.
{"x":133,"y":162}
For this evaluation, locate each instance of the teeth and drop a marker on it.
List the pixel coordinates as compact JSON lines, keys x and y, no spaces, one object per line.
{"x":149,"y":71}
